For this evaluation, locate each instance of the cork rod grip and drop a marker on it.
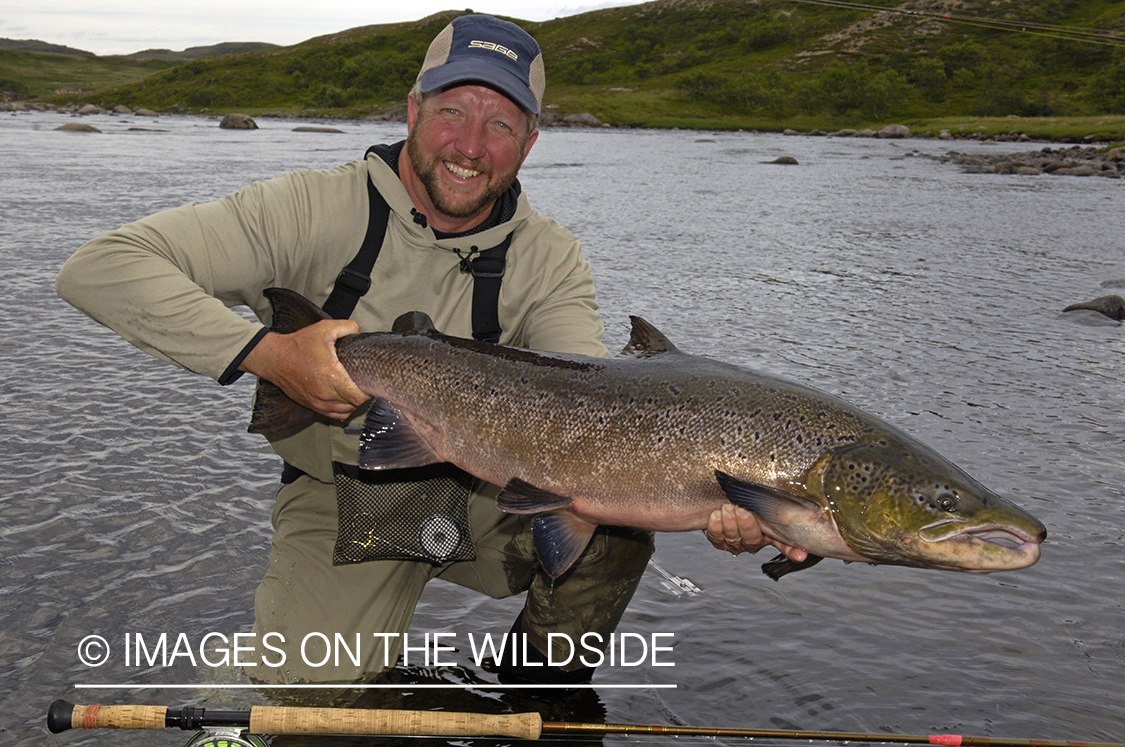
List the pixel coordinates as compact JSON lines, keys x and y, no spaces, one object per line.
{"x":294,"y":720}
{"x":63,"y":716}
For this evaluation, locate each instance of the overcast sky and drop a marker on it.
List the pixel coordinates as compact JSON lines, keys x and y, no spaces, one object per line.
{"x":125,"y":26}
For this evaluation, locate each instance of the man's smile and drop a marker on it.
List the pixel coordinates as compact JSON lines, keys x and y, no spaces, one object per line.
{"x":460,"y":171}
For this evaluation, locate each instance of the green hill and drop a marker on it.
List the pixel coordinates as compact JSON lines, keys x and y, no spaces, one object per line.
{"x":195,"y":53}
{"x":701,"y":63}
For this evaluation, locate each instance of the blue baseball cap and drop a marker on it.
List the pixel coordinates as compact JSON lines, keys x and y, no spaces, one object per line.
{"x":483,"y":49}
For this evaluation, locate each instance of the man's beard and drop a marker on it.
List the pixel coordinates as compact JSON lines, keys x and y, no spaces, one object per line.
{"x":425,"y":171}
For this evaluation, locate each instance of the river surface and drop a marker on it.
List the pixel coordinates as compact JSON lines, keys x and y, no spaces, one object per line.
{"x":132,"y":502}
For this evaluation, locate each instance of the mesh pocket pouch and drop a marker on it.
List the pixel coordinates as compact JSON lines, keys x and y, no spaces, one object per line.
{"x":417,"y":514}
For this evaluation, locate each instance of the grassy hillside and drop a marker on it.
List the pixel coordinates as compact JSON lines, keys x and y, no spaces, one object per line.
{"x":707,"y":63}
{"x":35,"y":75}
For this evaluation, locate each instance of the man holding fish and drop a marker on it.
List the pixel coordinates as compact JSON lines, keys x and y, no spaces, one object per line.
{"x":351,"y":551}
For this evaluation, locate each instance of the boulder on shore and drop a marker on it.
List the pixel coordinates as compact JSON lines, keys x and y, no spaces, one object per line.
{"x":582,"y":119}
{"x":894,"y":131}
{"x":238,"y":122}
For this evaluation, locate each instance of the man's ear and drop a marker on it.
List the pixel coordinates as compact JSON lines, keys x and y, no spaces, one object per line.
{"x":411,"y":111}
{"x":531,"y":138}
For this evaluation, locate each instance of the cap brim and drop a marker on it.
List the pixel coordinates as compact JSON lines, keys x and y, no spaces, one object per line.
{"x":466,"y":71}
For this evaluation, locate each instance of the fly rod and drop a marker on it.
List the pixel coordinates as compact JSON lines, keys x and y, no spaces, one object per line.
{"x":377,"y":722}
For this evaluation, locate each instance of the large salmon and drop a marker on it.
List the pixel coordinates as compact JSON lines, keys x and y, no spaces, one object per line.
{"x":657,"y":439}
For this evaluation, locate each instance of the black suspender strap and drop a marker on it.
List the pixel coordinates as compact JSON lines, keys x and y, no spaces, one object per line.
{"x":355,"y":279}
{"x":488,"y":271}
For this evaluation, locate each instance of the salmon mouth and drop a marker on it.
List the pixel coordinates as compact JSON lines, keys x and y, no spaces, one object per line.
{"x":982,"y":549}
{"x":1006,"y":536}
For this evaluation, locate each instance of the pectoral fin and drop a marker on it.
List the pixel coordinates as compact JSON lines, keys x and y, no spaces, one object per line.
{"x":560,"y":537}
{"x":782,"y":565}
{"x":390,"y":442}
{"x":776,"y":506}
{"x":772,"y":504}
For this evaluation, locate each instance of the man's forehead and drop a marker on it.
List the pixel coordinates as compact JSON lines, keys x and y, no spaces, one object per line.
{"x":476,"y":92}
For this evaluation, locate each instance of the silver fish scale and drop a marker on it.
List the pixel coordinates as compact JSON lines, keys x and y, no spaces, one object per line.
{"x":627,"y":433}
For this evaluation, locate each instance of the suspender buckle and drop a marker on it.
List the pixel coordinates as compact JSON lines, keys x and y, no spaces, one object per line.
{"x":354,"y":281}
{"x":488,"y":267}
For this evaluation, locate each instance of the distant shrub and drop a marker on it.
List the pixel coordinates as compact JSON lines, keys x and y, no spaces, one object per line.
{"x":700,"y":85}
{"x":966,"y":55}
{"x":763,"y":32}
{"x":1107,"y":88}
{"x":855,"y":87}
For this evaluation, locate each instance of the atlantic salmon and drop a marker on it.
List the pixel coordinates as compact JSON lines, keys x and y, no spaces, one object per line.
{"x":657,"y":439}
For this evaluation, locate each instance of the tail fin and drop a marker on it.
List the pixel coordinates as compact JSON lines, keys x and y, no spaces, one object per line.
{"x":273,"y":409}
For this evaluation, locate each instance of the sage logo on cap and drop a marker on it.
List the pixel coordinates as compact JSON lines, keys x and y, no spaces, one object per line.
{"x":488,"y":50}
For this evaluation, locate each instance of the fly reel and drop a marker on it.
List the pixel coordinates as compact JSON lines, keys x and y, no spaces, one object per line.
{"x":225,"y":737}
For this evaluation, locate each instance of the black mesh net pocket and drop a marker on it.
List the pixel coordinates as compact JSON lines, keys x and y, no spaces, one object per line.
{"x":407,"y":514}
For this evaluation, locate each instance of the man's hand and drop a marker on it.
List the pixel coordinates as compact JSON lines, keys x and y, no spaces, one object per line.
{"x":305,"y":366}
{"x":736,"y":530}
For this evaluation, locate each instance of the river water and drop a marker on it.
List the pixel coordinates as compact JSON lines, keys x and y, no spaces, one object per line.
{"x":133,"y":502}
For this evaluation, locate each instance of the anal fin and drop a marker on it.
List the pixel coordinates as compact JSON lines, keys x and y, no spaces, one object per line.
{"x":390,"y":442}
{"x":560,"y":538}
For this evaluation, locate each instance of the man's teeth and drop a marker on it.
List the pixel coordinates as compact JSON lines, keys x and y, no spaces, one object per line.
{"x":458,"y":171}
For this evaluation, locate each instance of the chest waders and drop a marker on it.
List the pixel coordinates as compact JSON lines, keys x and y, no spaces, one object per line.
{"x":421,"y":513}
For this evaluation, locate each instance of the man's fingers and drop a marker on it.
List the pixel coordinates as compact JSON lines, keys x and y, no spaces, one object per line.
{"x":305,"y":366}
{"x":736,"y":530}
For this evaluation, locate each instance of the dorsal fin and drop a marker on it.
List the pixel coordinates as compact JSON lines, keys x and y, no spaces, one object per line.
{"x":413,"y":323}
{"x":646,"y":339}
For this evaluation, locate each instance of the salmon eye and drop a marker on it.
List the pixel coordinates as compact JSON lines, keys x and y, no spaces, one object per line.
{"x":948,"y":501}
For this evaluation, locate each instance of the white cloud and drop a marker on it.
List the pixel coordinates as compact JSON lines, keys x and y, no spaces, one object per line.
{"x":125,"y":26}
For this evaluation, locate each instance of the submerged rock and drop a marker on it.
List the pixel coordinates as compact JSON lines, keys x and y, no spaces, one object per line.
{"x":1074,"y":161}
{"x":1110,"y":306}
{"x":238,"y":122}
{"x":77,"y":127}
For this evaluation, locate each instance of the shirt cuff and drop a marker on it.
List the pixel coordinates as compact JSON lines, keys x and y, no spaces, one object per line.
{"x":232,"y":374}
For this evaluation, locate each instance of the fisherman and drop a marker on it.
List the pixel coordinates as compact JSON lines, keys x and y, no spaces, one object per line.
{"x":448,"y":196}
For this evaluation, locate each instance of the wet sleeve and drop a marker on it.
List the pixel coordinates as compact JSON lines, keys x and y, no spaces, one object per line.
{"x":167,"y":283}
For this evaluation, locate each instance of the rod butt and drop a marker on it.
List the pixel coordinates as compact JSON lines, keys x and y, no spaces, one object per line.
{"x":60,"y":716}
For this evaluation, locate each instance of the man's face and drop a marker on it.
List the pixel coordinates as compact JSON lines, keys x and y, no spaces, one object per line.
{"x":465,"y":145}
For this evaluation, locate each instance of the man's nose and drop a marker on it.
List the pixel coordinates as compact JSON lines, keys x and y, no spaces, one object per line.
{"x":472,"y":141}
